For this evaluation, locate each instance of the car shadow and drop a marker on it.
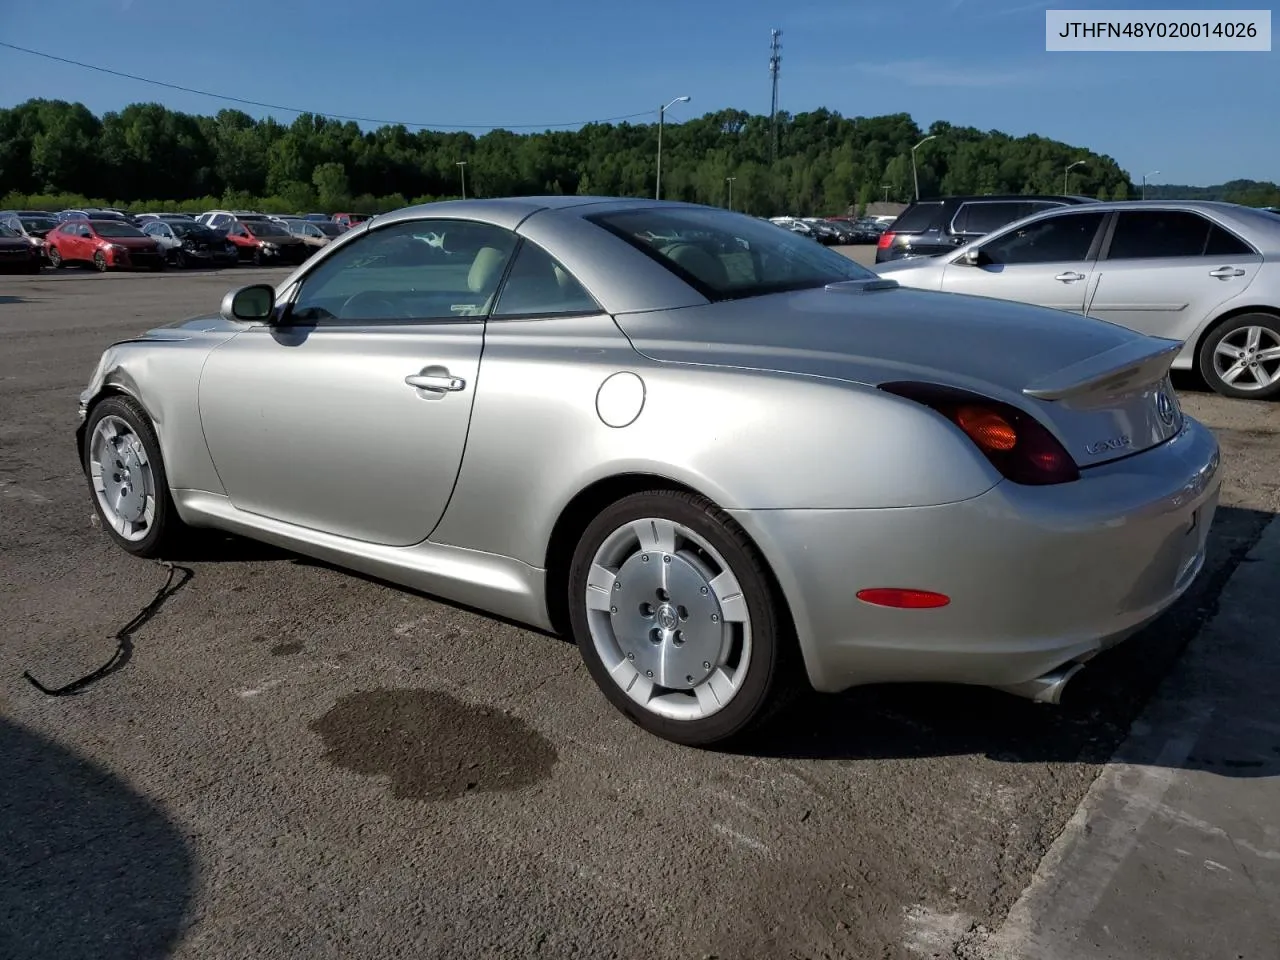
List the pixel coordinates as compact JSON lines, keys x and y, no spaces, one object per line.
{"x":90,"y":868}
{"x":1095,"y":717}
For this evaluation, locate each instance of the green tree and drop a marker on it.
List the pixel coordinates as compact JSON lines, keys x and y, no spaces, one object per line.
{"x":332,"y":189}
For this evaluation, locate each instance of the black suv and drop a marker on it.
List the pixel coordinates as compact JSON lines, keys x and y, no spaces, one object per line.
{"x":928,"y":228}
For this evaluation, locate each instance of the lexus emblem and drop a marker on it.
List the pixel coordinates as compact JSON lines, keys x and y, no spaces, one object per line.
{"x":1164,"y":406}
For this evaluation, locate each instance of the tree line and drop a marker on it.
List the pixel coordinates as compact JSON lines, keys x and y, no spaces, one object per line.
{"x":55,"y":154}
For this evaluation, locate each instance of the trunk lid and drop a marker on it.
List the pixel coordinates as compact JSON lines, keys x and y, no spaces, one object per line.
{"x":1096,"y":385}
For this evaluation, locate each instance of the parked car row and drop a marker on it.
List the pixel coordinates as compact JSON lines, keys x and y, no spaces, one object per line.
{"x":832,"y":231}
{"x":108,"y":239}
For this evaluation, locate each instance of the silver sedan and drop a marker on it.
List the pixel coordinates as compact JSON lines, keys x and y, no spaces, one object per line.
{"x":728,"y":462}
{"x":1204,"y":273}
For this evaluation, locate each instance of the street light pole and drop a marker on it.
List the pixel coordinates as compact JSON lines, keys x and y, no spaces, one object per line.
{"x":1067,"y":173}
{"x":915,"y":177}
{"x":462,"y":166}
{"x":886,"y":191}
{"x":729,"y":181}
{"x":662,"y":113}
{"x":1153,"y":173}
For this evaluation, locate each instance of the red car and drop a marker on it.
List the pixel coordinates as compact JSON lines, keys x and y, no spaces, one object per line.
{"x":266,"y":243}
{"x":349,"y":220}
{"x":104,"y":243}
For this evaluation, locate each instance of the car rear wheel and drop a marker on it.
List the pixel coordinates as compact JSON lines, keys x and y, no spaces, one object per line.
{"x":127,"y":478}
{"x":676,"y":618}
{"x":1241,"y":358}
{"x":100,"y":261}
{"x":55,"y":259}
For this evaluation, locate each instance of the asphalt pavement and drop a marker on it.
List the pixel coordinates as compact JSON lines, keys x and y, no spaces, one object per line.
{"x":293,"y":761}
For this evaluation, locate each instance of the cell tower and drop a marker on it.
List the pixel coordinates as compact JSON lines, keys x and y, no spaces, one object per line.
{"x":775,"y":64}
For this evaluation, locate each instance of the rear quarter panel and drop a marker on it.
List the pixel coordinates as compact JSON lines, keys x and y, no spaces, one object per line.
{"x":747,"y":439}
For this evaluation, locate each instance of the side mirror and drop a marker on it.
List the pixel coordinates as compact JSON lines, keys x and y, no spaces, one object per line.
{"x":972,"y":258}
{"x":249,"y":304}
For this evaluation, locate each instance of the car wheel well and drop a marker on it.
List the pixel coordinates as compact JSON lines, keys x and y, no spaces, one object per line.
{"x":1229,"y":315}
{"x":106,"y":391}
{"x":578,"y":514}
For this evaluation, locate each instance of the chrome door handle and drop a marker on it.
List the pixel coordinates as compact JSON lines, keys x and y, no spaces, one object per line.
{"x":439,"y":382}
{"x":1069,"y":277}
{"x":1222,"y":273}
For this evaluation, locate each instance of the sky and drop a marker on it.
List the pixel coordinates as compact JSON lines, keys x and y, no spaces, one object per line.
{"x":1198,"y":118}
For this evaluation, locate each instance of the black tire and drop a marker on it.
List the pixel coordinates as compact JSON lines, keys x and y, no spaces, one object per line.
{"x":35,"y":268}
{"x":55,"y":259}
{"x":100,"y":261}
{"x":180,"y":259}
{"x":167,"y":528}
{"x":257,"y":257}
{"x":1270,"y":325}
{"x":771,"y":677}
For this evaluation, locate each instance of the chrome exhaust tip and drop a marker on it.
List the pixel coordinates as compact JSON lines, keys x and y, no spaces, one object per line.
{"x":1047,"y":688}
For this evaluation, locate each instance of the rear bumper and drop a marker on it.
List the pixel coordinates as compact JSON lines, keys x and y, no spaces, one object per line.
{"x":1037,"y":576}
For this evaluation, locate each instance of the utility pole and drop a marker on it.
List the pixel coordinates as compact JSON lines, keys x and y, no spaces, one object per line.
{"x":1144,"y":182}
{"x":886,"y":191}
{"x":729,"y":181}
{"x":775,"y":64}
{"x":462,"y":166}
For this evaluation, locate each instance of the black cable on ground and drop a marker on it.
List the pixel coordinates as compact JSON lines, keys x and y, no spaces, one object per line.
{"x":123,"y":637}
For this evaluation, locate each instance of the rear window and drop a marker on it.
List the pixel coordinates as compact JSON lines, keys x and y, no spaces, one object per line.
{"x":917,"y":218}
{"x":729,"y":256}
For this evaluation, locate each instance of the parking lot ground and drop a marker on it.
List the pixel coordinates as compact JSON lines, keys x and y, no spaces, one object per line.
{"x":295,"y":761}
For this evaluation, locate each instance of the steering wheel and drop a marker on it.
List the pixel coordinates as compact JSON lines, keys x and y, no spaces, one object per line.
{"x":376,"y":299}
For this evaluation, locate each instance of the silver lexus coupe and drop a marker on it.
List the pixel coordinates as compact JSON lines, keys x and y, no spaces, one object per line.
{"x":729,"y":462}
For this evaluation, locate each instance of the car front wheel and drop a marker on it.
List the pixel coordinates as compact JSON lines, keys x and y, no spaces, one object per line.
{"x":55,"y":258}
{"x":127,"y":478}
{"x":1241,"y":358}
{"x":100,"y":262}
{"x":676,"y":618}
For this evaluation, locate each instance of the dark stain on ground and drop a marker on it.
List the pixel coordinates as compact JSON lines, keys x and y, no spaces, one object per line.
{"x":286,"y":649}
{"x":432,"y":745}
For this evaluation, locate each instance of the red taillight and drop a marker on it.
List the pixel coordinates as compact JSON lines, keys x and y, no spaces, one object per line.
{"x":904,"y":598}
{"x":1016,"y":443}
{"x":886,"y":239}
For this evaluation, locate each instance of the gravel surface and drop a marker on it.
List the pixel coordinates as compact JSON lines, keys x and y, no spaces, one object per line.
{"x":294,"y":761}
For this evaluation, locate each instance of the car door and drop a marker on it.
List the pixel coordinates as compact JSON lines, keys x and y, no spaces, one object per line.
{"x":1164,"y":271}
{"x":81,"y":242}
{"x":349,"y":416}
{"x":1046,"y":262}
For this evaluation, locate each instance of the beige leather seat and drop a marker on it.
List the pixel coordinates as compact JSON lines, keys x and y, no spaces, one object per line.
{"x":485,"y":272}
{"x":702,"y":265}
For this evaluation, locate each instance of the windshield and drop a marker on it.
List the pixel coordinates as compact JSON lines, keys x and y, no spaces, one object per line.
{"x":329,"y":229}
{"x":8,"y":231}
{"x":266,"y":228}
{"x":106,"y":228}
{"x":39,"y":223}
{"x":728,"y":256}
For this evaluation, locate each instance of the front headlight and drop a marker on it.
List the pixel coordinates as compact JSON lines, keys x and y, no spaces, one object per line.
{"x":117,"y":248}
{"x":270,"y":247}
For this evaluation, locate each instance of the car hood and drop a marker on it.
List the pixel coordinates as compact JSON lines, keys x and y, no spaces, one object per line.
{"x":285,"y":241}
{"x":131,"y":243}
{"x":14,"y":243}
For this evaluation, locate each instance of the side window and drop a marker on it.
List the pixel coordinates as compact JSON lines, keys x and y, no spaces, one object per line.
{"x":1153,"y":234}
{"x":539,"y":286}
{"x":1224,"y":244}
{"x":985,"y":217}
{"x":1060,"y":239}
{"x":960,"y":221}
{"x":397,"y":275}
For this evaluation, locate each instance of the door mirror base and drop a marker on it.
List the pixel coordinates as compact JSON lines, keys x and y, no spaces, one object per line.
{"x":972,"y":258}
{"x":252,"y":304}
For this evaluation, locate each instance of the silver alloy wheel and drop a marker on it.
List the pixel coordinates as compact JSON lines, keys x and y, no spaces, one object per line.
{"x":122,"y":478}
{"x":1249,"y":358}
{"x":668,"y":619}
